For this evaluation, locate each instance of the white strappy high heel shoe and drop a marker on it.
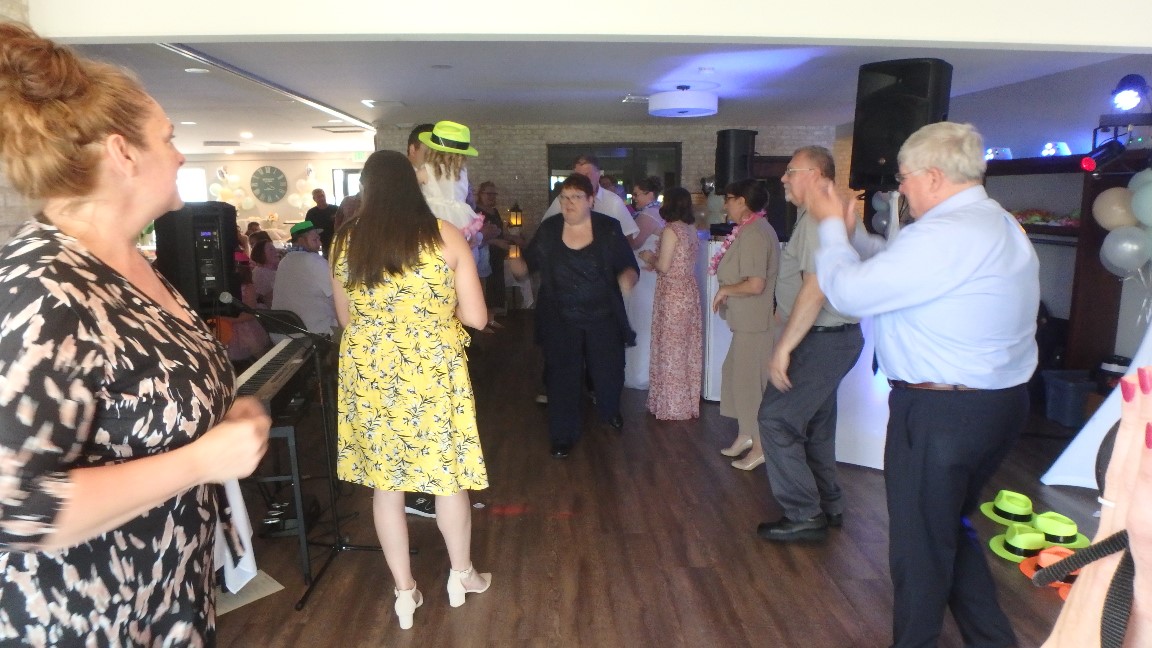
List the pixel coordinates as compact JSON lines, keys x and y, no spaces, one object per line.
{"x":406,"y":603}
{"x":456,"y":589}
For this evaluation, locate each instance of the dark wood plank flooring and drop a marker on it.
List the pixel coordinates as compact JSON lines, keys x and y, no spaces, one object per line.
{"x":645,"y":538}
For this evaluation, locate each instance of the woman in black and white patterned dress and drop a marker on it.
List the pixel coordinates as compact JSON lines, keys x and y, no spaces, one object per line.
{"x":116,"y":402}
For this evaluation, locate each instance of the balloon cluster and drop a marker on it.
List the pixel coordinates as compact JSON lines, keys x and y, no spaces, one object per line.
{"x":228,"y":190}
{"x":303,"y":196}
{"x":884,"y":203}
{"x":1126,"y":212}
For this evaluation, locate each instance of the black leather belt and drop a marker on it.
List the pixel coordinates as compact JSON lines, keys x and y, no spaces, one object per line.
{"x":900,"y":384}
{"x":839,"y":328}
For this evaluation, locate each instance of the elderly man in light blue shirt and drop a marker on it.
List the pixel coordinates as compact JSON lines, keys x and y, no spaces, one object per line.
{"x":954,"y":301}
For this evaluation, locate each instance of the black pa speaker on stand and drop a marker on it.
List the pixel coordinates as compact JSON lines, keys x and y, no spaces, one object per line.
{"x":195,"y":248}
{"x":893,"y":100}
{"x":735,"y":149}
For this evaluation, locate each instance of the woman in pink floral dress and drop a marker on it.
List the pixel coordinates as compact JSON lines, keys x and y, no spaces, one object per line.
{"x":677,"y":351}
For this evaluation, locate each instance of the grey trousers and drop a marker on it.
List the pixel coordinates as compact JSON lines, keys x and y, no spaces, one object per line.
{"x":798,"y":427}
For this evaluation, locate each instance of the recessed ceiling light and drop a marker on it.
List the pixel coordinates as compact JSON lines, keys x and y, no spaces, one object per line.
{"x":196,"y":70}
{"x":335,"y":121}
{"x":187,"y":123}
{"x":246,"y":134}
{"x":441,"y":66}
{"x":371,"y":103}
{"x":229,"y":152}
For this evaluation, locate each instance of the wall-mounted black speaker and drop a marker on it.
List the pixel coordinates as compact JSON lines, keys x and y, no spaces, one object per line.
{"x":195,"y":251}
{"x":893,"y":100}
{"x":735,"y":149}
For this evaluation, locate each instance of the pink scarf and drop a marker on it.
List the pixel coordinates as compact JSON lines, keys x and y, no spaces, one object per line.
{"x":719,"y":256}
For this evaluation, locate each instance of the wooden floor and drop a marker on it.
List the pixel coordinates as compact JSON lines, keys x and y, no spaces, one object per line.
{"x":645,"y":538}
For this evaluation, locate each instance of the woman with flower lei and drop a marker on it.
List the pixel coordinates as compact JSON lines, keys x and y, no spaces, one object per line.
{"x":746,"y":267}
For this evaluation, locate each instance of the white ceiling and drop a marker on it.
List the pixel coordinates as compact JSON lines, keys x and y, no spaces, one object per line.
{"x":510,"y":83}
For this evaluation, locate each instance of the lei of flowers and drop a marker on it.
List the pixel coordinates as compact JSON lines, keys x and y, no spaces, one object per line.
{"x":716,"y":258}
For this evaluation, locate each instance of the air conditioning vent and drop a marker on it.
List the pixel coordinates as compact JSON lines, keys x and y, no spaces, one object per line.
{"x":339,"y":129}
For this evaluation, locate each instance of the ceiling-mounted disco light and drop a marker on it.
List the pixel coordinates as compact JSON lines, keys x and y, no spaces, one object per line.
{"x":682,"y":102}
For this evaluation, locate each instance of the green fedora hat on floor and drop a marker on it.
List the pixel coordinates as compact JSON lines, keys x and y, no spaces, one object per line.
{"x":1018,"y":542}
{"x":1009,"y":507}
{"x":1059,"y":531}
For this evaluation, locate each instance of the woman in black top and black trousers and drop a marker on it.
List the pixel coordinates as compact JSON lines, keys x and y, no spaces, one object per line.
{"x":585,"y":265}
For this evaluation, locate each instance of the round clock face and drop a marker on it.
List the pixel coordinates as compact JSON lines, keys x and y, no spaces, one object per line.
{"x":269,"y":184}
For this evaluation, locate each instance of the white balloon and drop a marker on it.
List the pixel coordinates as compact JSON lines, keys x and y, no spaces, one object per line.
{"x":214,"y":189}
{"x":1142,"y":203}
{"x":1140,"y":179}
{"x":1126,"y":248}
{"x":302,"y":186}
{"x":294,"y":200}
{"x":233,"y":180}
{"x":248,"y":203}
{"x":880,"y":201}
{"x":238,"y":192}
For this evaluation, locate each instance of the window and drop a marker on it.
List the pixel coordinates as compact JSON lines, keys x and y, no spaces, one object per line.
{"x":192,"y":184}
{"x":345,"y":182}
{"x":627,"y":162}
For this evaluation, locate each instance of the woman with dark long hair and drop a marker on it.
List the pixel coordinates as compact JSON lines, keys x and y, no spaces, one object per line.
{"x":405,"y":285}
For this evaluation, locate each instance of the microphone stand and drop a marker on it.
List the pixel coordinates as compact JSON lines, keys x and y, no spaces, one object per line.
{"x":340,"y":542}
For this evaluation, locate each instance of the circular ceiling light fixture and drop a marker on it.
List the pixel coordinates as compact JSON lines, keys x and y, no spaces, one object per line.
{"x":682,"y":102}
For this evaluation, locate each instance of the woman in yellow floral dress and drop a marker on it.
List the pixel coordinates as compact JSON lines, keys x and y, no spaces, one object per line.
{"x":405,"y":284}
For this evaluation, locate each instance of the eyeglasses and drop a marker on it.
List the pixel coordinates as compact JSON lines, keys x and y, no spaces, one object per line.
{"x":901,"y":177}
{"x":795,"y":170}
{"x":727,"y":198}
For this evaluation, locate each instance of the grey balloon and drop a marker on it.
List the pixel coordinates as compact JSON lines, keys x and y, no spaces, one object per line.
{"x":880,"y":222}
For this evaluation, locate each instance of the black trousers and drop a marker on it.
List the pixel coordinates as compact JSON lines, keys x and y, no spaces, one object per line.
{"x":942,"y":447}
{"x":798,"y":427}
{"x":570,"y":348}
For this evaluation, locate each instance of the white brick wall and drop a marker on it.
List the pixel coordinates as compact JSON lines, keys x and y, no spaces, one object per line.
{"x":14,"y":10}
{"x":515,"y":157}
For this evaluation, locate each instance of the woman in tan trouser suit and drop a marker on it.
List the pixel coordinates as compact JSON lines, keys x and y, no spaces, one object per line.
{"x":747,"y":276}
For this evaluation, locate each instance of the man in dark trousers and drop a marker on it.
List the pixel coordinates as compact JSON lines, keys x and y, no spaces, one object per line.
{"x":953,"y":303}
{"x":818,"y":346}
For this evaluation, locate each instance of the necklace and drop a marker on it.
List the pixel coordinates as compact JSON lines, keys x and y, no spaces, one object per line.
{"x":719,"y":256}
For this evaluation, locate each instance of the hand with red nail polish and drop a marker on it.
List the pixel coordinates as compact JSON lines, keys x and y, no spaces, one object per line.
{"x":1129,"y":475}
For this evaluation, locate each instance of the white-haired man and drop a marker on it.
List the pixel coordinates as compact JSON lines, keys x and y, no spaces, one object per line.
{"x":953,"y":302}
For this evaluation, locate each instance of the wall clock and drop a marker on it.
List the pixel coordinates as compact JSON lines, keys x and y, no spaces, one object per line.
{"x":269,"y":184}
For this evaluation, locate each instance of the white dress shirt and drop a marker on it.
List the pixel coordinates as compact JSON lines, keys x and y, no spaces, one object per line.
{"x":954,"y":299}
{"x":609,"y":204}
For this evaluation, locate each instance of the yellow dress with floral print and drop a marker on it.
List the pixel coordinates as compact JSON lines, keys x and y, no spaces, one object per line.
{"x":407,"y":416}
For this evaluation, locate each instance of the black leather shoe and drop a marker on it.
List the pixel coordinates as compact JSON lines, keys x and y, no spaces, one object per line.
{"x":785,"y":530}
{"x":835,"y":520}
{"x":561,"y":450}
{"x":617,"y":422}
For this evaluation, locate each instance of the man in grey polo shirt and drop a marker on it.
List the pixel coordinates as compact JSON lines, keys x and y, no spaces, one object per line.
{"x":816,"y":349}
